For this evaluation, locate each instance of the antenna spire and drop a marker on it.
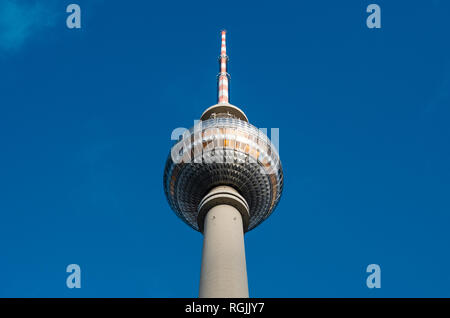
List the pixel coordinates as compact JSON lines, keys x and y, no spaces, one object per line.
{"x":223,"y":91}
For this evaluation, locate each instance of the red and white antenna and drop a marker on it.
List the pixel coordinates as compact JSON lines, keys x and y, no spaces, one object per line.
{"x":223,"y":108}
{"x":223,"y":91}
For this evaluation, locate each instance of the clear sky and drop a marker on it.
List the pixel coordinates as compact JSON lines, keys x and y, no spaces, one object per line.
{"x":86,"y":117}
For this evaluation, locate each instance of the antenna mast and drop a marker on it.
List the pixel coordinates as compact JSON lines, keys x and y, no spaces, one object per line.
{"x":223,"y":90}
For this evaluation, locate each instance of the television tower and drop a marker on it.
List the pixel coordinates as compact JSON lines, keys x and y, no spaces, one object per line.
{"x":223,"y":178}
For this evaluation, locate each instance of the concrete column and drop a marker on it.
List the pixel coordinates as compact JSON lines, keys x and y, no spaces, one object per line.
{"x":223,"y":270}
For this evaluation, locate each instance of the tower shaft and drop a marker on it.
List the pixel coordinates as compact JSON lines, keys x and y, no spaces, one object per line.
{"x":223,"y":270}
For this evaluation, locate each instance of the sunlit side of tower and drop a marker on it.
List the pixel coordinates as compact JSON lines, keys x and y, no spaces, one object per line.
{"x":223,"y":178}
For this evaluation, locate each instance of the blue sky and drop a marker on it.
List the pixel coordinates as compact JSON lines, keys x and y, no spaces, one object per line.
{"x":85,"y":123}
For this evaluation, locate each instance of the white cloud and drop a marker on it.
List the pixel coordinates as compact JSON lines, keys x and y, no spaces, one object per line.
{"x":19,"y":20}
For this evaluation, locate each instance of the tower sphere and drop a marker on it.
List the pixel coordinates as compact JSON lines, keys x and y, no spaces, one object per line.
{"x":223,"y":150}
